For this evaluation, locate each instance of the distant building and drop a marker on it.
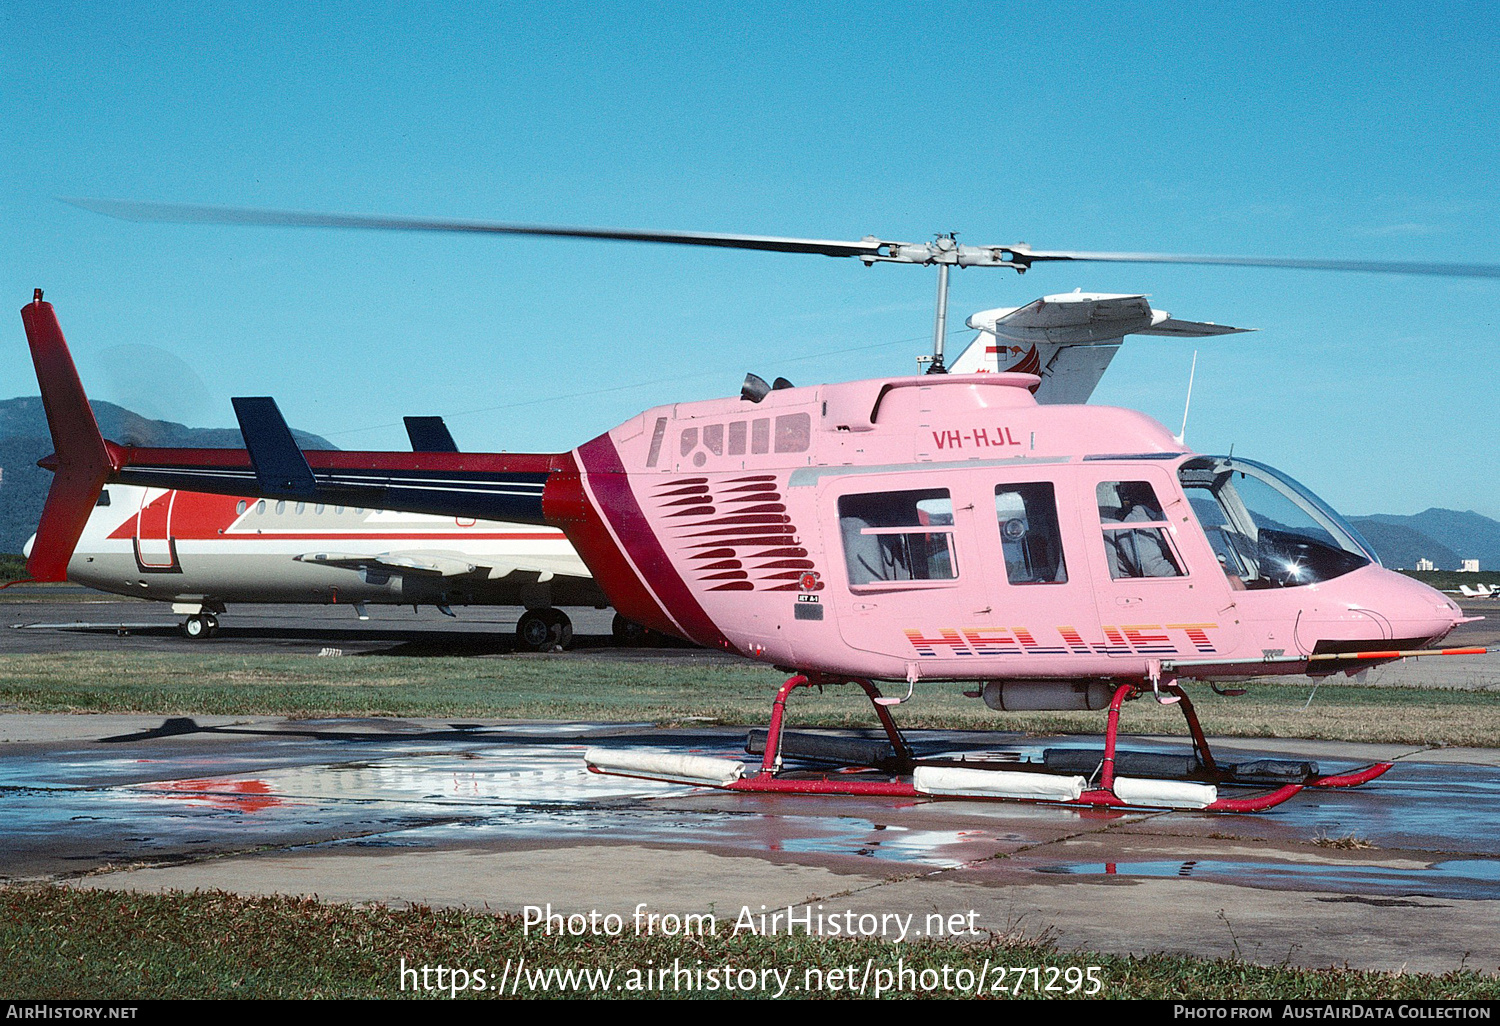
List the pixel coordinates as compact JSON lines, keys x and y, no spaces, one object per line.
{"x":1425,"y":564}
{"x":1470,"y":566}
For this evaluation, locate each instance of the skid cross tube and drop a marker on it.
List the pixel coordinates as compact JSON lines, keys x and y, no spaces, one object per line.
{"x":1101,"y":795}
{"x":770,"y":763}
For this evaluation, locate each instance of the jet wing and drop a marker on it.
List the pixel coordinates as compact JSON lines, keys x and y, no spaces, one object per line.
{"x":1069,"y":339}
{"x":393,"y":563}
{"x":439,"y":564}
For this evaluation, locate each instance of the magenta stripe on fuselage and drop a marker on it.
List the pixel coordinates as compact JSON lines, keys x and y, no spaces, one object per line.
{"x":617,"y":503}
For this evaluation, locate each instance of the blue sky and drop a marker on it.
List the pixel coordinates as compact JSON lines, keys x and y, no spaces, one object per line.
{"x":1282,"y":129}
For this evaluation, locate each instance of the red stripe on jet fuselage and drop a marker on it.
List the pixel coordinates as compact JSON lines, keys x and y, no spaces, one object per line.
{"x":199,"y":516}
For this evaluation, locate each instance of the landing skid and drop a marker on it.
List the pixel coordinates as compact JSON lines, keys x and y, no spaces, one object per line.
{"x":902,"y":775}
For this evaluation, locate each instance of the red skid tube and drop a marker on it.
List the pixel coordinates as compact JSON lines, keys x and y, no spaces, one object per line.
{"x":763,"y":784}
{"x":766,"y":781}
{"x":1353,"y":778}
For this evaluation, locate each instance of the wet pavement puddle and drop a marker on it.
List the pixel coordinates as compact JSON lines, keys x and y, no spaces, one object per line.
{"x":1454,"y":878}
{"x":324,"y":784}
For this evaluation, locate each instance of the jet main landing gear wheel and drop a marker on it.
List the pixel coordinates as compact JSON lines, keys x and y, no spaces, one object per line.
{"x":542,"y":630}
{"x":629,"y":634}
{"x":200,"y":625}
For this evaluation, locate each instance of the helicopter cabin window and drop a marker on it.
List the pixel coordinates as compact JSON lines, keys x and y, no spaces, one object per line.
{"x":894,"y":537}
{"x":103,"y":499}
{"x":793,"y":432}
{"x":760,"y":435}
{"x":1135,"y":531}
{"x":1029,"y":534}
{"x":260,"y":507}
{"x":239,"y":507}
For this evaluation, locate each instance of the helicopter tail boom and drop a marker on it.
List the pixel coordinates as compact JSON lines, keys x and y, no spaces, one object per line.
{"x":490,"y":486}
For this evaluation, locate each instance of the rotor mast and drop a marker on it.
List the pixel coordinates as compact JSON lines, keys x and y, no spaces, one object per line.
{"x":940,"y":323}
{"x":945,"y":252}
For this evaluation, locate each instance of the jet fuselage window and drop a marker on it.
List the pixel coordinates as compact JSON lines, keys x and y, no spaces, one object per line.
{"x":898,"y":536}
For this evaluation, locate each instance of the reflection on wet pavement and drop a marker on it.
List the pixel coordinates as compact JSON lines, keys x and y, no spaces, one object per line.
{"x":168,"y":795}
{"x":1455,"y":878}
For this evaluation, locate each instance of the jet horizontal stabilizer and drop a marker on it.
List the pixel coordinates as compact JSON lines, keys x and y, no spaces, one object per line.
{"x":1190,"y":329}
{"x":1068,"y":340}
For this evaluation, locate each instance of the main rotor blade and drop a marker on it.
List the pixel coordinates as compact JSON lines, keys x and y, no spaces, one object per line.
{"x":190,"y":214}
{"x":1025,"y":255}
{"x":1018,"y":257}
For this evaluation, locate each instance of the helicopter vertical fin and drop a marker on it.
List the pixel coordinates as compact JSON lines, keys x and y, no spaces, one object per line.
{"x":281,"y":471}
{"x":429,"y":434}
{"x":83,"y":460}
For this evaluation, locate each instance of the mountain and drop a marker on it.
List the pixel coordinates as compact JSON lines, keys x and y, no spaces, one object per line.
{"x":1401,"y":546}
{"x":1469,"y":534}
{"x":24,"y":439}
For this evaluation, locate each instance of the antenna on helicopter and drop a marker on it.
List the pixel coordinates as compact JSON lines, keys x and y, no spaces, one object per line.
{"x":1189,"y":400}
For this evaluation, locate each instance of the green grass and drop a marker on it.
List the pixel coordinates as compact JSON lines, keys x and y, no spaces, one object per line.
{"x":61,"y":943}
{"x":577,"y":687}
{"x":12,"y":568}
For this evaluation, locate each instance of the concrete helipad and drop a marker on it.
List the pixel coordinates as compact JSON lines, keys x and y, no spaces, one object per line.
{"x":503,"y":815}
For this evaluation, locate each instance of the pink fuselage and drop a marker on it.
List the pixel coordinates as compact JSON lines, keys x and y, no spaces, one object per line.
{"x":757,"y":527}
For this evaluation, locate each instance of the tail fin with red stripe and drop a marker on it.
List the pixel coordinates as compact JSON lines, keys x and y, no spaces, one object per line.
{"x":82,"y":459}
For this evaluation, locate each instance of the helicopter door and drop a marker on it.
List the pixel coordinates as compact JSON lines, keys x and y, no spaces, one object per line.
{"x":1158,"y":589}
{"x":1037,"y":578}
{"x":155,"y":549}
{"x":904,"y":567}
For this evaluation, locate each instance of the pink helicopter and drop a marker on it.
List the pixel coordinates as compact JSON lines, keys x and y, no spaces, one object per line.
{"x":909,"y":530}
